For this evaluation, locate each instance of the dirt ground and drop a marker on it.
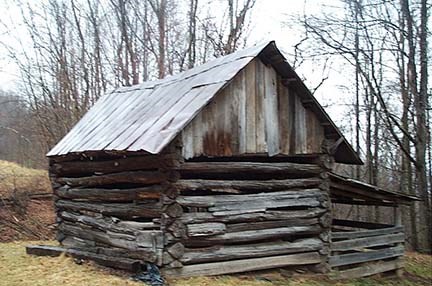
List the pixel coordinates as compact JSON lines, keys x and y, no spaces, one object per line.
{"x":37,"y":222}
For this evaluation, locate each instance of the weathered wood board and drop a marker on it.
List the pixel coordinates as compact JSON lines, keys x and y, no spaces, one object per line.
{"x":368,"y":269}
{"x":359,"y":257}
{"x":117,"y":262}
{"x":254,"y":114}
{"x":371,"y":241}
{"x":244,"y":265}
{"x":231,"y":252}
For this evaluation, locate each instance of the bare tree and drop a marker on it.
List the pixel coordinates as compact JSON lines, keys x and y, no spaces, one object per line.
{"x":371,"y":43}
{"x":159,"y":7}
{"x":226,"y":38}
{"x":193,"y":8}
{"x":72,"y":51}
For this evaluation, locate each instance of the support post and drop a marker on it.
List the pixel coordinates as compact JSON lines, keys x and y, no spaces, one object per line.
{"x":397,"y":216}
{"x":398,"y":222}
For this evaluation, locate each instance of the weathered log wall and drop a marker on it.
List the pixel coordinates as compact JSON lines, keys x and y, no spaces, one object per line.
{"x":241,"y":216}
{"x":194,"y":218}
{"x":110,"y":205}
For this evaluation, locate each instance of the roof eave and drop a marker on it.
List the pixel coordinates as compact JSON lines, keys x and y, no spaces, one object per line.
{"x":392,"y":196}
{"x":272,"y":55}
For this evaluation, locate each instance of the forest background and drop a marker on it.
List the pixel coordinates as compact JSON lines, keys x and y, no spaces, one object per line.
{"x":367,"y":62}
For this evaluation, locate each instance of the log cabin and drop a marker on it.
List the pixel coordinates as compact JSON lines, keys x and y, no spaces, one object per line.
{"x":223,"y":168}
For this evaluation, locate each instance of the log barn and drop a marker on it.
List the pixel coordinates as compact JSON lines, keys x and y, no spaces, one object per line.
{"x":223,"y":168}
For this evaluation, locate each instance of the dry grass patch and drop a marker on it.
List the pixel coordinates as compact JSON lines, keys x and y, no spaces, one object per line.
{"x":17,"y":268}
{"x":14,"y":177}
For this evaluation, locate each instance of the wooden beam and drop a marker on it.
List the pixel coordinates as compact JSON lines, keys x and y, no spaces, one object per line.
{"x":98,"y":155}
{"x":260,"y":201}
{"x":254,"y":235}
{"x":360,"y":224}
{"x":115,"y":262}
{"x":144,"y":254}
{"x":344,"y":195}
{"x":288,"y":81}
{"x":137,"y":177}
{"x":361,"y":203}
{"x":110,"y":195}
{"x":205,"y":229}
{"x":368,"y":270}
{"x":74,"y":168}
{"x":236,"y":227}
{"x":108,"y":223}
{"x":248,"y":168}
{"x":151,"y":239}
{"x":262,"y":158}
{"x":365,"y":233}
{"x":149,"y":209}
{"x":333,"y":148}
{"x":397,"y":216}
{"x":308,"y":103}
{"x":272,"y":203}
{"x":368,"y":193}
{"x":244,"y":265}
{"x":370,"y":241}
{"x":251,"y":216}
{"x":245,"y":185}
{"x":231,"y":252}
{"x":359,"y":257}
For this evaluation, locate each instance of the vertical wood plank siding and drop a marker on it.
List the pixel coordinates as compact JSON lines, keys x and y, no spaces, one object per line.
{"x":255,"y":113}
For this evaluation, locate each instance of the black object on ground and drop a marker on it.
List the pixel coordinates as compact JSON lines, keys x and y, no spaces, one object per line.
{"x":151,"y":276}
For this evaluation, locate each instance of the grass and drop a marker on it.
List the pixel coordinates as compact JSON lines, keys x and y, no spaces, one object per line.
{"x":17,"y":268}
{"x":21,"y":217}
{"x":418,"y":272}
{"x":14,"y":177}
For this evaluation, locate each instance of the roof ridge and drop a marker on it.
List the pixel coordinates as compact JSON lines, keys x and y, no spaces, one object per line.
{"x":179,"y":76}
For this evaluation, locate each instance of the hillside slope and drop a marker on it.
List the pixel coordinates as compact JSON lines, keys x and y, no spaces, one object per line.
{"x":26,"y":209}
{"x":16,"y":178}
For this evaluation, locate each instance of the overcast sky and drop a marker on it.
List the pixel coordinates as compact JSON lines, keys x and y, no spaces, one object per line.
{"x":271,"y":20}
{"x":274,"y":21}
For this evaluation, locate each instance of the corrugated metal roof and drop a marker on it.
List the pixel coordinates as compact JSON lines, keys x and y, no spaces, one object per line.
{"x":148,"y":116}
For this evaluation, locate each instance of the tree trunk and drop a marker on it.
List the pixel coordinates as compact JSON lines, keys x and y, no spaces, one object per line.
{"x":420,"y":114}
{"x":420,"y":105}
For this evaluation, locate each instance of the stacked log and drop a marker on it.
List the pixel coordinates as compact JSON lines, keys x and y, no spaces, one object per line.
{"x":193,"y":218}
{"x":173,"y":229}
{"x":244,"y":216}
{"x":326,"y":162}
{"x":111,"y":204}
